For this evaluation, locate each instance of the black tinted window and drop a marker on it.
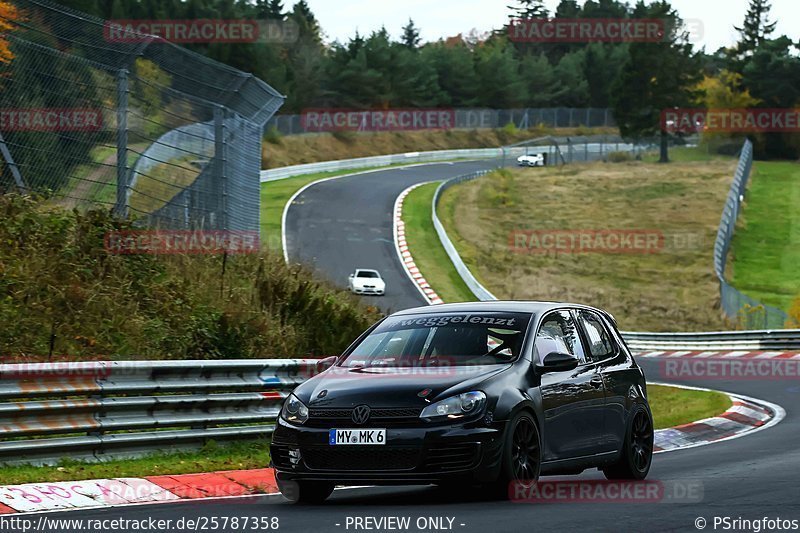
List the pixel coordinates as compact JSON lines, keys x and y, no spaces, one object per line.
{"x":600,"y":344}
{"x":558,"y":332}
{"x":452,"y":339}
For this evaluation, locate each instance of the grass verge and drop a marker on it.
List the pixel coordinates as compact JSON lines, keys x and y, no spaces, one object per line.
{"x":674,"y":406}
{"x":766,"y":246}
{"x":672,"y":288}
{"x":211,"y":457}
{"x":427,"y":250}
{"x":64,"y":294}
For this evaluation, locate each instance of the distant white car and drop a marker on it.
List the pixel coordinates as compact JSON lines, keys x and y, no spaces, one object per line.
{"x":531,"y":160}
{"x":364,"y":281}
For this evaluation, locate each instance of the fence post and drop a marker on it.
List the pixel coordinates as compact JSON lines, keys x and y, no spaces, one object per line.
{"x":23,"y":189}
{"x":221,"y":163}
{"x":121,"y":205}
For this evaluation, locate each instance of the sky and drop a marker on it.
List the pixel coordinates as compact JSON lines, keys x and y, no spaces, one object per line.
{"x":443,"y":18}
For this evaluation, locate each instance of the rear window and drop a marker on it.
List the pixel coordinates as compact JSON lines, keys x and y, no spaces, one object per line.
{"x":442,"y":339}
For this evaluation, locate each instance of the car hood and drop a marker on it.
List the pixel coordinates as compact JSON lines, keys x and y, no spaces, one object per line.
{"x":360,"y":282}
{"x":391,"y":387}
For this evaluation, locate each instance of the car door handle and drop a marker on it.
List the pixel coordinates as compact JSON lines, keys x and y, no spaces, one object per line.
{"x":596,"y":382}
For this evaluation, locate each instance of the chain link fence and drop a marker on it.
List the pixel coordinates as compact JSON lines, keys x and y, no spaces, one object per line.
{"x":748,"y":312}
{"x":480,"y":118}
{"x":138,"y":125}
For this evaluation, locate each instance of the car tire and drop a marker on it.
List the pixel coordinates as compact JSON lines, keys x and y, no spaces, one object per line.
{"x":522,"y":456}
{"x":305,"y":492}
{"x":637,"y":448}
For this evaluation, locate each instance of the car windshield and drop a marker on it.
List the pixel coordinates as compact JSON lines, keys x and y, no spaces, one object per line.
{"x":367,"y":274}
{"x":457,"y":339}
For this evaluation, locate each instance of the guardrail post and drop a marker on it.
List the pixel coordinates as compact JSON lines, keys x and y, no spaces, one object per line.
{"x":220,"y":154}
{"x":121,"y":205}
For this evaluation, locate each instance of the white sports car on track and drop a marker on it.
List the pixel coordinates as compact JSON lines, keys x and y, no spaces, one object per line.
{"x":364,"y":281}
{"x":532,"y":160}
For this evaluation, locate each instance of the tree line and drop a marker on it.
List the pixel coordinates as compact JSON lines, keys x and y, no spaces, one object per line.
{"x":636,"y":80}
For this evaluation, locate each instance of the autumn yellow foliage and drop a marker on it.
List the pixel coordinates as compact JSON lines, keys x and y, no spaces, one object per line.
{"x":7,"y":12}
{"x":794,"y":314}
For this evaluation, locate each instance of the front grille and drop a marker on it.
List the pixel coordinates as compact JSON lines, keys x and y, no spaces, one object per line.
{"x":412,"y":412}
{"x":452,"y":457}
{"x":361,"y":458}
{"x":320,"y":417}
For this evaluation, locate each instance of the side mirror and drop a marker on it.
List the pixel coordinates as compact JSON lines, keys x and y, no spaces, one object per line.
{"x":325,"y":364}
{"x":557,"y":362}
{"x":351,"y":275}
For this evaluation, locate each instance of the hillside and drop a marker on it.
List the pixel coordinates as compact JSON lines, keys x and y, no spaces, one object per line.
{"x":670,"y":287}
{"x":63,"y":295}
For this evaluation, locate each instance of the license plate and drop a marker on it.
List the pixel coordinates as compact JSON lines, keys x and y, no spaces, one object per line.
{"x":368,"y":437}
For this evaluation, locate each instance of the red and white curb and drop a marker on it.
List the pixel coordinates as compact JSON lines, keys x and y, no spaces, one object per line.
{"x":746,"y":415}
{"x":98,"y":493}
{"x":410,"y":267}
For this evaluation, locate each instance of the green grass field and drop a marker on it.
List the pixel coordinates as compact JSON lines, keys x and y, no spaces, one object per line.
{"x":765,"y":255}
{"x":671,"y":290}
{"x":672,"y":406}
{"x":427,"y":250}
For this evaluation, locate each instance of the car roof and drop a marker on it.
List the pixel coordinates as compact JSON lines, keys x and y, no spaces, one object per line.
{"x":497,"y":306}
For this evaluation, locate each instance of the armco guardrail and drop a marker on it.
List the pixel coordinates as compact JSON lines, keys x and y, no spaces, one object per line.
{"x":786,"y":339}
{"x":474,"y":285}
{"x":101,"y":409}
{"x":379,"y":161}
{"x":587,"y":148}
{"x":97,"y":410}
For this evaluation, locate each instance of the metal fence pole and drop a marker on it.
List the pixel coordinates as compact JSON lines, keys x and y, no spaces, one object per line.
{"x":221,"y":163}
{"x":23,"y":189}
{"x":121,"y":206}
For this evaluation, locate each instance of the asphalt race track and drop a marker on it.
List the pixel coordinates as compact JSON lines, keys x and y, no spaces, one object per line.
{"x":751,"y":477}
{"x":342,"y":224}
{"x":346,"y":223}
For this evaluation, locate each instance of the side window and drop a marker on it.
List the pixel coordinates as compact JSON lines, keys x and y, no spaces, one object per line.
{"x":558,"y":332}
{"x":600,"y":344}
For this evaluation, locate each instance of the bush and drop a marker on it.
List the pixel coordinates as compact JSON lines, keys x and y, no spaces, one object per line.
{"x":273,"y":136}
{"x":63,"y":294}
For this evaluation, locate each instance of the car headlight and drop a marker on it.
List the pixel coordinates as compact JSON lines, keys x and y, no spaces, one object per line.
{"x":465,"y":404}
{"x":294,"y":410}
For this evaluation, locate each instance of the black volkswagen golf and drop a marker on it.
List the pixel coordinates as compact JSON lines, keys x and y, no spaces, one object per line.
{"x":491,"y":393}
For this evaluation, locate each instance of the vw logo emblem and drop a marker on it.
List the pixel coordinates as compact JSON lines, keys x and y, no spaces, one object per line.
{"x":360,"y":414}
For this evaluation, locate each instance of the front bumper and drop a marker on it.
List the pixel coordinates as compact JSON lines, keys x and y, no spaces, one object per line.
{"x":363,"y":290}
{"x":411,"y":455}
